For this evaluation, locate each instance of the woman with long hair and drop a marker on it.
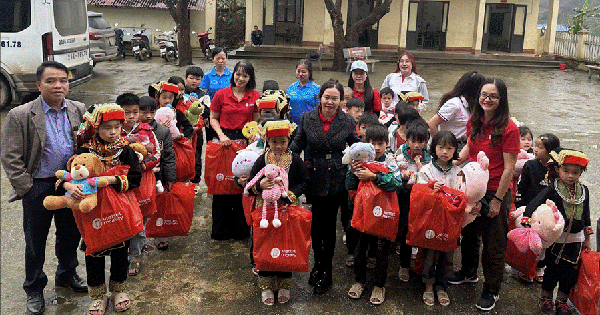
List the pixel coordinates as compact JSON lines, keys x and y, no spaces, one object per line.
{"x":361,"y":87}
{"x":405,"y":79}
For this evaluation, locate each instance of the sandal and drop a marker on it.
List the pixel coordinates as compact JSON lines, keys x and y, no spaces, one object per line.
{"x":147,"y":248}
{"x":134,"y":268}
{"x":428,"y":298}
{"x":403,"y":274}
{"x":356,"y":291}
{"x":539,"y":275}
{"x":377,"y":296}
{"x":98,"y":307}
{"x":163,"y":245}
{"x":267,"y":297}
{"x":443,"y":298}
{"x":122,"y":298}
{"x":283,"y":296}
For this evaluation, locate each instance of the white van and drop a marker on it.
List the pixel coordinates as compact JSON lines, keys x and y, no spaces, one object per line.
{"x":33,"y":31}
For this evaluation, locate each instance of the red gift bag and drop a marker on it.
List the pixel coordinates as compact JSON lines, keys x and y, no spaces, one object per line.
{"x":586,"y":292}
{"x":376,"y":211}
{"x":249,"y":204}
{"x":435,"y":218}
{"x":218,"y":175}
{"x":174,"y":212}
{"x":185,"y":160}
{"x":287,"y":247}
{"x":522,"y":250}
{"x":146,"y":193}
{"x":116,"y":218}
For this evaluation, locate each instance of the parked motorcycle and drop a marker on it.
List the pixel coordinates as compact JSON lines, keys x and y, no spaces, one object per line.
{"x":119,"y":41}
{"x":168,"y":45}
{"x":141,"y":45}
{"x":206,"y":44}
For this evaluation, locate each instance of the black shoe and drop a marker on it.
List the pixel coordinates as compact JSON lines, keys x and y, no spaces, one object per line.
{"x":460,"y":278}
{"x":324,"y":283}
{"x":35,"y":303}
{"x":547,"y":307}
{"x":73,"y":282}
{"x":487,"y":301}
{"x":315,"y":276}
{"x":562,"y":308}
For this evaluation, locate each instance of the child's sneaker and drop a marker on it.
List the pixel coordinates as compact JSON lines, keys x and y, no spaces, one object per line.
{"x":460,"y":278}
{"x":562,"y":308}
{"x":547,"y":306}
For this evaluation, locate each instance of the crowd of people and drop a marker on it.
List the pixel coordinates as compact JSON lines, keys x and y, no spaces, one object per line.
{"x":305,"y":131}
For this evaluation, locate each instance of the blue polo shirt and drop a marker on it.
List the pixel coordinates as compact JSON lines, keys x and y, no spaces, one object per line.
{"x":214,"y":82}
{"x":303,"y":98}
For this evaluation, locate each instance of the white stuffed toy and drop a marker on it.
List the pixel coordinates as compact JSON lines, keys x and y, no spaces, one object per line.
{"x":476,"y":177}
{"x":243,"y":163}
{"x":166,"y":117}
{"x":360,"y":151}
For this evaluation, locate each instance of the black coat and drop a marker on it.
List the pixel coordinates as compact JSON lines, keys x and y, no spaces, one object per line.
{"x":323,"y":151}
{"x":167,"y":171}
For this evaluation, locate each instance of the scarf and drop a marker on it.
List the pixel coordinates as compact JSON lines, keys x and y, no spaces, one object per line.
{"x":285,"y":161}
{"x":108,"y":153}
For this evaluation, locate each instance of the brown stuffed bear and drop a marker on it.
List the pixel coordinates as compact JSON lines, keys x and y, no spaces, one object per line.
{"x":142,"y":153}
{"x":84,"y":169}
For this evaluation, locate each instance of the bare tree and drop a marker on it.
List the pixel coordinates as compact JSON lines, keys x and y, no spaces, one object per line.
{"x":181,"y":15}
{"x":341,"y":41}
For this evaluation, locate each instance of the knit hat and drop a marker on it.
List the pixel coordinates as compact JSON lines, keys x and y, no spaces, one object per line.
{"x":567,"y":156}
{"x":278,"y":128}
{"x":161,"y":86}
{"x":273,"y":99}
{"x":93,"y":118}
{"x":413,"y":96}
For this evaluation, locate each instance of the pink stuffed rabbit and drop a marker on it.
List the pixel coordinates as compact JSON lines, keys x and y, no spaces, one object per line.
{"x":476,"y":176}
{"x":271,"y":196}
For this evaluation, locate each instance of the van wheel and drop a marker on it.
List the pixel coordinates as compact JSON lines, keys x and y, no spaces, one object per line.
{"x":5,"y":93}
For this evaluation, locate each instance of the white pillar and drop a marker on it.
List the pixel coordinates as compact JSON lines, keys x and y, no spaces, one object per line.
{"x":210,"y":16}
{"x":403,"y":25}
{"x":478,"y":26}
{"x":551,"y":23}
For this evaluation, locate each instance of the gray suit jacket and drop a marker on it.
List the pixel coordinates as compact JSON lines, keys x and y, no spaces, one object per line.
{"x":23,"y":140}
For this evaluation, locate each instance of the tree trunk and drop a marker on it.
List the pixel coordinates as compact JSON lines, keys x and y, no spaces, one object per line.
{"x":335,"y":12}
{"x":180,"y":13}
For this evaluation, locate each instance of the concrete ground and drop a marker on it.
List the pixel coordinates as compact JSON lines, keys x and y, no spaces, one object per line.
{"x":198,"y":275}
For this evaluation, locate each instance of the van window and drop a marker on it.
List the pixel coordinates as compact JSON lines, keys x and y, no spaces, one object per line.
{"x":16,"y":15}
{"x":98,"y":23}
{"x":70,"y":17}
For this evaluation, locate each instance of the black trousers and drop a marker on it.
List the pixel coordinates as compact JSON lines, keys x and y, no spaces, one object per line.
{"x":228,"y":218}
{"x":119,"y":266}
{"x":381,"y":259}
{"x":492,"y":232}
{"x":199,"y":145}
{"x":36,"y":225}
{"x":405,"y":250}
{"x":323,"y":227}
{"x":563,"y":273}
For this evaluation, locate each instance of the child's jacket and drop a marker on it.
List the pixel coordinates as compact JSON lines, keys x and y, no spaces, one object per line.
{"x":167,"y":171}
{"x":532,"y":182}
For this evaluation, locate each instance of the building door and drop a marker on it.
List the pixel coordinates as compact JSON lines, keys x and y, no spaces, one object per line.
{"x":518,"y":34}
{"x":360,"y":9}
{"x":504,"y":27}
{"x":283,"y":22}
{"x":427,"y":24}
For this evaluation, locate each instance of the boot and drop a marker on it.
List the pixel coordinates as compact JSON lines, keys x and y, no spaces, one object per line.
{"x":315,"y":275}
{"x":324,"y":283}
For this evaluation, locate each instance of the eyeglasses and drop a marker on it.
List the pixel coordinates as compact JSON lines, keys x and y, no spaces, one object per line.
{"x":492,"y":97}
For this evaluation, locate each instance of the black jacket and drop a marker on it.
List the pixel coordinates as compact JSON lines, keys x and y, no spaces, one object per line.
{"x":167,"y":172}
{"x":184,"y":124}
{"x":323,"y":151}
{"x":531,"y":183}
{"x":297,"y":174}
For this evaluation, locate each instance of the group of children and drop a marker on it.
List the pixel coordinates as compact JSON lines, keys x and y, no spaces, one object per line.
{"x":553,"y":174}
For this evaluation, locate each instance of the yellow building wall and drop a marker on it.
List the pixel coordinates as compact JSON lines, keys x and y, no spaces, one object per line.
{"x":461,"y":23}
{"x":152,"y":18}
{"x":254,"y":16}
{"x":389,"y":27}
{"x":317,"y":23}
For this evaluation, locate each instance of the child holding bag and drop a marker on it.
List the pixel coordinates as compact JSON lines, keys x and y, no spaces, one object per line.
{"x":437,"y":264}
{"x":376,"y":135}
{"x":278,"y":134}
{"x":107,"y":144}
{"x":572,"y":199}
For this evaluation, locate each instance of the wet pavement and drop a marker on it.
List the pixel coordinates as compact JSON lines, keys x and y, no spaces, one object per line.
{"x":198,"y":275}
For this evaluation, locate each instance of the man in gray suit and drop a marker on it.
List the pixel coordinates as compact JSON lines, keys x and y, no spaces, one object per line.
{"x":37,"y":140}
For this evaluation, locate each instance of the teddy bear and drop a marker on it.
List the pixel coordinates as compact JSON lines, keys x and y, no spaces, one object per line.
{"x":84,"y":170}
{"x":271,"y":196}
{"x":546,"y":221}
{"x":166,"y":117}
{"x":196,"y":110}
{"x":475,"y":176}
{"x":243,"y":162}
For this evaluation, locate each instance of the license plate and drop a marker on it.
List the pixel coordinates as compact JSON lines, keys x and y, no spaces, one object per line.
{"x":77,"y":55}
{"x":211,"y":46}
{"x":136,"y":48}
{"x":70,"y":75}
{"x":163,"y":50}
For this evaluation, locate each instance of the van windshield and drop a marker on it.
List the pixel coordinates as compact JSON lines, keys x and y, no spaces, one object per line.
{"x":70,"y":17}
{"x":16,"y":15}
